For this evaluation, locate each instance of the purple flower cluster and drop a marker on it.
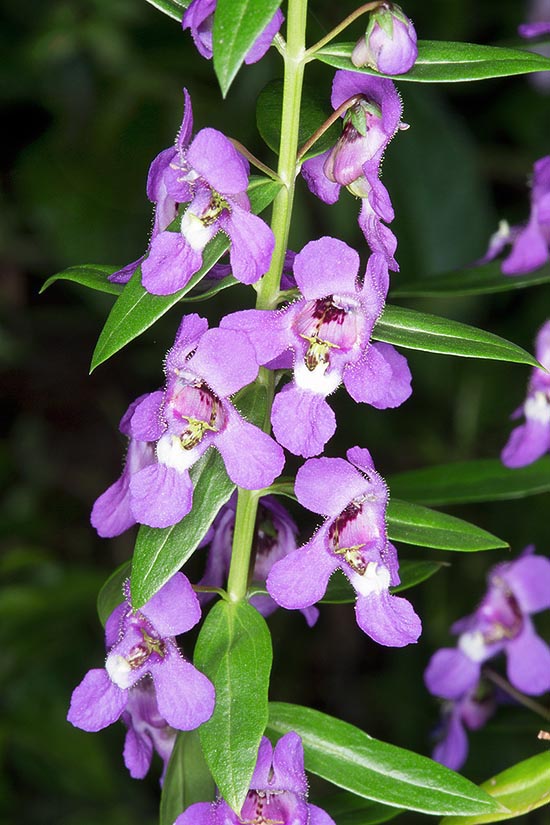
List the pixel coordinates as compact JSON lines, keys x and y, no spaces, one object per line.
{"x":389,"y":43}
{"x":146,"y":681}
{"x":531,"y":440}
{"x":369,"y":124}
{"x":278,"y":792}
{"x":211,"y":177}
{"x":501,"y":624}
{"x":353,"y":498}
{"x":530,"y":243}
{"x":172,"y":428}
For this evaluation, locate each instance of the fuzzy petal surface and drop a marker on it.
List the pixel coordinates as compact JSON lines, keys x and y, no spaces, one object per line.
{"x":318,"y":183}
{"x":170,"y":264}
{"x":268,"y":331}
{"x":450,"y":673}
{"x":138,"y":753}
{"x":252,"y":458}
{"x":185,"y":696}
{"x":189,"y":333}
{"x":252,"y":244}
{"x":327,"y":485}
{"x":112,"y":514}
{"x":160,"y":495}
{"x":225,"y":359}
{"x":326,"y":266}
{"x":302,"y":421}
{"x":288,"y":765}
{"x":175,"y":608}
{"x":265,"y":39}
{"x":216,"y":160}
{"x":300,"y":579}
{"x":201,"y":813}
{"x":146,"y":423}
{"x":96,"y":702}
{"x":389,"y":620}
{"x":381,"y":378}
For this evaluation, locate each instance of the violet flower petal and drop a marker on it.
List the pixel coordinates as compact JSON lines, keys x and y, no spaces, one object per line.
{"x":174,"y":609}
{"x":452,"y":750}
{"x":199,"y":18}
{"x":146,"y":423}
{"x":137,"y":753}
{"x":389,"y":620}
{"x":160,"y":495}
{"x":225,"y":359}
{"x":326,"y":266}
{"x":200,"y":813}
{"x":327,"y":485}
{"x":526,"y":443}
{"x":529,"y":252}
{"x":534,"y":29}
{"x":189,"y":332}
{"x":528,"y":666}
{"x":113,"y":625}
{"x":185,"y":696}
{"x":170,"y":264}
{"x":96,"y":702}
{"x":214,"y":157}
{"x":288,"y":765}
{"x":529,"y":580}
{"x":265,"y":39}
{"x":381,"y":378}
{"x":268,"y":331}
{"x":302,"y":421}
{"x":316,"y":180}
{"x":252,"y":244}
{"x":450,"y":673}
{"x":264,"y":457}
{"x":300,"y":579}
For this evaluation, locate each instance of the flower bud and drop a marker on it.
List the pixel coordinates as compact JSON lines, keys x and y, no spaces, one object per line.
{"x":389,"y":43}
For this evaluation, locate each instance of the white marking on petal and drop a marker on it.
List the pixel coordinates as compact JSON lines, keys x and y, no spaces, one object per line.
{"x":537,"y":408}
{"x":317,"y":380}
{"x":172,"y":454}
{"x":119,"y":671}
{"x":195,"y":232}
{"x":473,"y":645}
{"x":375,"y":579}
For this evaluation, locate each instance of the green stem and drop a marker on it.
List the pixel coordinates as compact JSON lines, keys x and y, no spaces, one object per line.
{"x":520,"y":697}
{"x":268,"y":288}
{"x":310,"y":54}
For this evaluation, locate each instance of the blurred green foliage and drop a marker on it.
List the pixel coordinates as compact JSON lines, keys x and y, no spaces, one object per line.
{"x":91,"y":91}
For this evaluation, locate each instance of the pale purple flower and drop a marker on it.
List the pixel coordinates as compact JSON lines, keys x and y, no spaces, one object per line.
{"x":193,"y":413}
{"x":389,"y":43}
{"x":529,"y":30}
{"x":161,"y":173}
{"x":501,"y":624}
{"x":278,"y":792}
{"x":353,"y":497}
{"x":470,"y":712}
{"x":199,"y":18}
{"x":530,"y":243}
{"x":354,"y":161}
{"x":141,"y":643}
{"x":147,"y":730}
{"x":275,"y":537}
{"x":325,"y":338}
{"x":531,"y":440}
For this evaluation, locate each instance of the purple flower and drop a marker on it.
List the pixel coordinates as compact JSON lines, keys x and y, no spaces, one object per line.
{"x":538,"y":29}
{"x":161,"y":170}
{"x":354,"y":161}
{"x":389,"y":44}
{"x":325,"y":338}
{"x":353,"y":497}
{"x":275,"y":537}
{"x":199,"y":17}
{"x":531,"y":440}
{"x":192,"y":413}
{"x":529,"y":242}
{"x":147,"y":731}
{"x":278,"y":792}
{"x":470,"y":712}
{"x":501,"y":623}
{"x":141,"y":643}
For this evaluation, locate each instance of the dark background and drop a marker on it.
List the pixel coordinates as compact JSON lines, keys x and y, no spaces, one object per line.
{"x":90,"y":93}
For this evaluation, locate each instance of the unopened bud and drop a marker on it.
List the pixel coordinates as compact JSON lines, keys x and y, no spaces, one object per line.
{"x":389,"y":43}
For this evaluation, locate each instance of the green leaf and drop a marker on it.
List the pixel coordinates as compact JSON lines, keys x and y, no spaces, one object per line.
{"x":160,"y":552}
{"x":314,"y":110}
{"x":234,"y":651}
{"x":93,"y":276}
{"x":444,"y":62}
{"x":237,"y":24}
{"x":479,"y":280}
{"x":173,"y":8}
{"x":468,"y":481}
{"x":413,"y":524}
{"x":353,"y":760}
{"x":111,"y":595}
{"x":431,"y":333}
{"x":340,"y":591}
{"x":522,"y":788}
{"x":187,"y":779}
{"x":348,"y":809}
{"x":136,"y":309}
{"x":207,"y":288}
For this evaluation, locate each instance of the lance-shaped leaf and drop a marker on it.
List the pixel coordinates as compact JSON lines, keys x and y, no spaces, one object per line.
{"x":432,"y":333}
{"x":351,"y":759}
{"x":237,"y":24}
{"x":440,"y":61}
{"x":173,"y":8}
{"x":521,"y":789}
{"x":161,"y":551}
{"x":234,"y":651}
{"x":136,"y":309}
{"x":468,"y":481}
{"x":413,"y":524}
{"x":411,"y":573}
{"x":94,"y":276}
{"x":478,"y":280}
{"x":187,"y":779}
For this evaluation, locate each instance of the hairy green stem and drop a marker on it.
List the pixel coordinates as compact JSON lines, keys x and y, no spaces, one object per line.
{"x":268,"y":288}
